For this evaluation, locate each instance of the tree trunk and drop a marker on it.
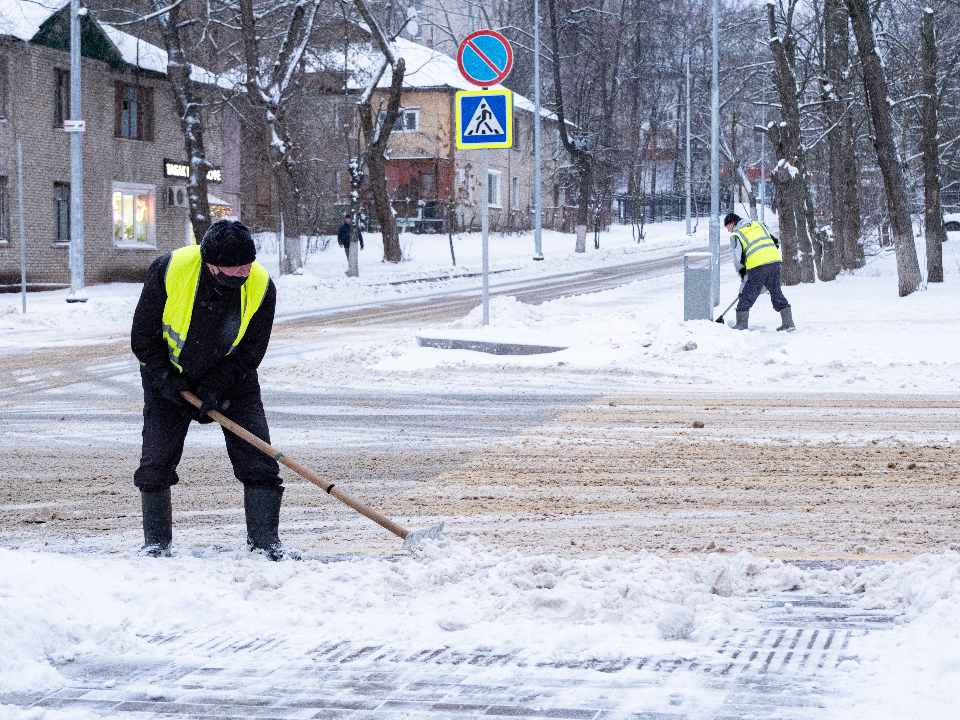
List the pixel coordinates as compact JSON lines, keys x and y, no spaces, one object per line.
{"x":878,"y":98}
{"x":841,"y":143}
{"x":376,"y":139}
{"x":383,"y":208}
{"x":583,"y":208}
{"x":289,"y":200}
{"x":932,"y":218}
{"x":789,"y":176}
{"x":191,"y":119}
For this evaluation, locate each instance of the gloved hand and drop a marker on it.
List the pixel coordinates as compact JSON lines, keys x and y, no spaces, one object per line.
{"x":211,"y":398}
{"x":169,"y":383}
{"x":743,"y":273}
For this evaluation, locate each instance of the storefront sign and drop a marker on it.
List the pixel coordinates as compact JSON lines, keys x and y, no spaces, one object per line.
{"x":172,"y":168}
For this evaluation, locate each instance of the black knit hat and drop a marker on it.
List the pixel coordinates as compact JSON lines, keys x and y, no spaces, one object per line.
{"x":228,"y":243}
{"x":731,"y":218}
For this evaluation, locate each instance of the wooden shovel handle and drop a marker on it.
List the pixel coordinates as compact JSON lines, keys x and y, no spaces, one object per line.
{"x":299,"y":469}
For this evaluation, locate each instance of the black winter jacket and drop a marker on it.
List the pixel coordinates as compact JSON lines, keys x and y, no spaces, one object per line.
{"x":343,"y":236}
{"x":213,"y":328}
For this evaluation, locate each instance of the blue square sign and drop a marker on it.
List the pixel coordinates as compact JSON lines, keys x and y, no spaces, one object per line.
{"x":484,"y":119}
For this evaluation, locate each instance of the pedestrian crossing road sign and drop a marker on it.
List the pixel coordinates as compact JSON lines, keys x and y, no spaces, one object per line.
{"x":484,"y":119}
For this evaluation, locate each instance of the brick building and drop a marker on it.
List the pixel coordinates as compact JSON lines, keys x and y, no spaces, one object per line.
{"x":133,"y":199}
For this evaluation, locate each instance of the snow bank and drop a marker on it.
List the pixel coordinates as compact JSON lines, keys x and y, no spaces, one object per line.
{"x":914,"y":669}
{"x":459,"y":595}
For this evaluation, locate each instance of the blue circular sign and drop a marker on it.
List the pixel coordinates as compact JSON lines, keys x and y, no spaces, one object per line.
{"x":485,"y":58}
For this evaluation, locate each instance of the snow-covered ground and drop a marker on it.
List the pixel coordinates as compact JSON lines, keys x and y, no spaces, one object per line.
{"x":463,"y":596}
{"x":854,"y":334}
{"x":50,"y":321}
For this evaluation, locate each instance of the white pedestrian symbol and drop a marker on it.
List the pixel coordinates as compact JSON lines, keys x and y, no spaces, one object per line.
{"x":483,"y":122}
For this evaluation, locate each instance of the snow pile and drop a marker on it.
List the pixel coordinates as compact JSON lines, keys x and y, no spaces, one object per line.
{"x":914,"y":669}
{"x":458,"y":595}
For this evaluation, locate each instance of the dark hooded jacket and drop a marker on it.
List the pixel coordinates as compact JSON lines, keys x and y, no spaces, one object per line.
{"x":213,"y":328}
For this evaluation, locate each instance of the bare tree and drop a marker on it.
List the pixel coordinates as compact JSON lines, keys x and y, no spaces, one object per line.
{"x":790,"y":176}
{"x":837,"y":99}
{"x":189,"y":107}
{"x":269,"y":86}
{"x":376,"y":132}
{"x":929,"y":105}
{"x":878,"y":98}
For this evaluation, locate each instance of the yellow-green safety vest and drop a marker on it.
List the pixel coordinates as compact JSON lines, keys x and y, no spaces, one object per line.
{"x":758,"y":245}
{"x":182,"y":278}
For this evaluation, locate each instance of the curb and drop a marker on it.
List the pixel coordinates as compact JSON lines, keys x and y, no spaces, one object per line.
{"x":493,"y":348}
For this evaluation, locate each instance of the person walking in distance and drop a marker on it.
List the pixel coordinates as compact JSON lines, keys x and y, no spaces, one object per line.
{"x":202,"y":324}
{"x":756,"y":256}
{"x":343,"y":235}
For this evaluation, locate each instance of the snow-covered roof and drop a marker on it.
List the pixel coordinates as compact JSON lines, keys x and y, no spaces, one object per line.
{"x":140,"y":53}
{"x":425,"y":68}
{"x":22,"y":19}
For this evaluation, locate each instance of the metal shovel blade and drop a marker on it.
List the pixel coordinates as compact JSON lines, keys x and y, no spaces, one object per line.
{"x":412,"y":540}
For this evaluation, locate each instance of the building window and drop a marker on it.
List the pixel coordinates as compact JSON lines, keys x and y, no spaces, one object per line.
{"x":408,"y":120}
{"x":493,"y":188}
{"x":134,"y":111}
{"x":61,"y":212}
{"x":515,"y":193}
{"x":61,"y":99}
{"x":133,"y":215}
{"x":4,"y":210}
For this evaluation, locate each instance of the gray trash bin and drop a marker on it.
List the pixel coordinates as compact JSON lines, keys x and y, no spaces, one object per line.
{"x":697,"y":279}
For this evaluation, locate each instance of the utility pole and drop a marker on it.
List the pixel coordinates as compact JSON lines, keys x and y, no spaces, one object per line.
{"x":537,"y":192}
{"x":23,"y":240}
{"x":688,"y":146}
{"x":77,"y":292}
{"x":715,"y":156}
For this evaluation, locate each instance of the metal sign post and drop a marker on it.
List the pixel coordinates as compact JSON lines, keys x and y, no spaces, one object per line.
{"x":23,"y":242}
{"x":715,"y":156}
{"x":485,"y":120}
{"x":537,"y":191}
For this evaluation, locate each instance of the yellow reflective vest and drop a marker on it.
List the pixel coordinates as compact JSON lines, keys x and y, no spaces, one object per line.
{"x":181,"y":280}
{"x":758,"y":245}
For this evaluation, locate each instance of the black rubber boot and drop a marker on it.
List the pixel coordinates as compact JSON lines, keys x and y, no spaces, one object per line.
{"x":261,"y":504}
{"x":743,"y":317}
{"x":787,"y":316}
{"x":157,"y":523}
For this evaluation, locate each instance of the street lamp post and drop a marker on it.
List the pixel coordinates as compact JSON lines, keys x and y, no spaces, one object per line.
{"x":77,"y":293}
{"x":537,"y":194}
{"x":715,"y":156}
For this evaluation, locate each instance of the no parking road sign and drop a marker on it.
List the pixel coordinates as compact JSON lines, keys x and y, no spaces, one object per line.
{"x":485,"y":58}
{"x":484,"y":119}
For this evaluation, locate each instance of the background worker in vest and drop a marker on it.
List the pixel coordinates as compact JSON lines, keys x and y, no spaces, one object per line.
{"x":756,"y":255}
{"x":203,"y":324}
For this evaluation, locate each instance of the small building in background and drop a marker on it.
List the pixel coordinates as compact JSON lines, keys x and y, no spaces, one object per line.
{"x":134,"y":187}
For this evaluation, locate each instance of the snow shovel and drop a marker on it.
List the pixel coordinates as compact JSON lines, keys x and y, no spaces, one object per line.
{"x":410,"y":539}
{"x":720,"y":319}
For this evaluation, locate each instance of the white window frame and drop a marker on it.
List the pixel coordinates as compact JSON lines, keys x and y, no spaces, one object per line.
{"x":494,"y":188}
{"x":402,"y":119}
{"x":515,"y":193}
{"x":136,"y":188}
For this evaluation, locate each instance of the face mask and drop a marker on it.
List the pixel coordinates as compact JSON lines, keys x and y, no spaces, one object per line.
{"x":230,"y":281}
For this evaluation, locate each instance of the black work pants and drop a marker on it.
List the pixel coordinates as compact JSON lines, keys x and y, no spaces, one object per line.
{"x":763,"y":275}
{"x":165,"y":426}
{"x":346,"y":249}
